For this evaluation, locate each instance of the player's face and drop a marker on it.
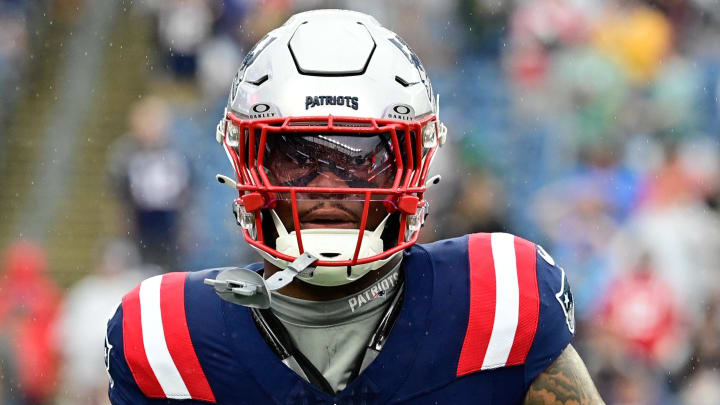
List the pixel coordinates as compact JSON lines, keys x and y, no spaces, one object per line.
{"x":330,"y":161}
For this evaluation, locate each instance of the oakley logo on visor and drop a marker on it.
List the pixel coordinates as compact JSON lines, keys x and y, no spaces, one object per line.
{"x":314,"y":101}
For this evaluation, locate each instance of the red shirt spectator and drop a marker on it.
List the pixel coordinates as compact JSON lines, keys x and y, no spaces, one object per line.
{"x":641,"y":311}
{"x":28,"y":308}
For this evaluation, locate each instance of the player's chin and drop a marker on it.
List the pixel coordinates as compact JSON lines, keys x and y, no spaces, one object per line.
{"x":329,"y":224}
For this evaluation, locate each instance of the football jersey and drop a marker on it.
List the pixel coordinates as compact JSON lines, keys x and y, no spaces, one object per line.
{"x":482,"y":316}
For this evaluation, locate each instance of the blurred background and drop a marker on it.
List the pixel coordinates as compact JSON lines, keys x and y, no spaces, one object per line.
{"x":589,"y":126}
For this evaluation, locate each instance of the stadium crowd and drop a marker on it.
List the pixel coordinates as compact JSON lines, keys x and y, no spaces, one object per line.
{"x":591,"y":127}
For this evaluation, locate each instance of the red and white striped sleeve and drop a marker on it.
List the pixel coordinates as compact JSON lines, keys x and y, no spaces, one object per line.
{"x":504,"y":302}
{"x":158,"y":351}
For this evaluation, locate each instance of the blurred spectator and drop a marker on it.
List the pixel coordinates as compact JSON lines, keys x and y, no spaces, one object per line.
{"x":537,"y":28}
{"x":485,"y":21}
{"x":230,"y":15}
{"x":608,"y":100}
{"x":673,"y":100}
{"x":588,"y":109}
{"x":182,"y":28}
{"x":83,"y":317}
{"x":700,"y":380}
{"x":28,"y":311}
{"x":13,"y":51}
{"x":676,"y":228}
{"x":636,"y":36}
{"x":641,"y":312}
{"x":580,"y":213}
{"x":214,"y":77}
{"x":152,"y":179}
{"x":703,"y":388}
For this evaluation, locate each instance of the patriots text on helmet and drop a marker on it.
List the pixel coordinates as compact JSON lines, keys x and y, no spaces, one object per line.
{"x":314,"y":101}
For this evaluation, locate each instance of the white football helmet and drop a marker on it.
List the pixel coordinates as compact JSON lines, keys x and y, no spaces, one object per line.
{"x":331,"y":93}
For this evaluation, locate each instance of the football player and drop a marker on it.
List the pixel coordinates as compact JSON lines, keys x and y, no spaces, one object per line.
{"x":331,"y":127}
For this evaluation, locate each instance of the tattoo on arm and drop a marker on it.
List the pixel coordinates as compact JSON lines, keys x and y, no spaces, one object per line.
{"x":565,"y":382}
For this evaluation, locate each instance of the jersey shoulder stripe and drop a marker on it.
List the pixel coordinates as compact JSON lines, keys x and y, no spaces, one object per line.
{"x":134,"y":346}
{"x":177,"y":336}
{"x":504,"y":302}
{"x":156,"y":341}
{"x":529,"y":300}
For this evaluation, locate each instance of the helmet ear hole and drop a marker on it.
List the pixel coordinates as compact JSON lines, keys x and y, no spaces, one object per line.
{"x":390,"y":233}
{"x":270,"y":234}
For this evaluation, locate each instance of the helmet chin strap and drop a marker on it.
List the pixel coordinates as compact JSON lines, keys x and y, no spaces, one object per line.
{"x":248,"y":288}
{"x":329,"y":244}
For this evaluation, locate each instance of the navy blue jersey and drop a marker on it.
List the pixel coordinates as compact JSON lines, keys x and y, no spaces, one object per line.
{"x":482,"y":316}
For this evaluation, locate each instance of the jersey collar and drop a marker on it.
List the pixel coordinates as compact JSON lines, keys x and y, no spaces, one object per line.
{"x":378,"y":382}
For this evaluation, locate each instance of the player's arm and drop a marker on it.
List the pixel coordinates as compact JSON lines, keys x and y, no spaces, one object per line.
{"x":123,"y":389}
{"x":566,"y":381}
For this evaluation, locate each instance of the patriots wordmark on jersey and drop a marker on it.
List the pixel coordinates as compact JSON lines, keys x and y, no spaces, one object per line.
{"x":480,"y":319}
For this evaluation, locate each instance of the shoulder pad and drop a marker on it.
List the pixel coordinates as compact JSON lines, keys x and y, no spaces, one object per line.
{"x":156,"y":340}
{"x":504,"y":302}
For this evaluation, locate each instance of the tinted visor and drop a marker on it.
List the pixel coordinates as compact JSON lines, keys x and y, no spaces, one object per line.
{"x":330,"y":160}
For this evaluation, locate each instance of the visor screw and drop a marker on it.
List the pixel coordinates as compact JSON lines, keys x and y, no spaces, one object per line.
{"x":429,"y":139}
{"x":233,"y":135}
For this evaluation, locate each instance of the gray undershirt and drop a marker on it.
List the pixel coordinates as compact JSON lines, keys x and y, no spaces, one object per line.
{"x":334,"y":335}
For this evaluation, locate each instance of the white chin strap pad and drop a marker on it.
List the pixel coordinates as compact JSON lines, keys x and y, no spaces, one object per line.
{"x":330,"y":244}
